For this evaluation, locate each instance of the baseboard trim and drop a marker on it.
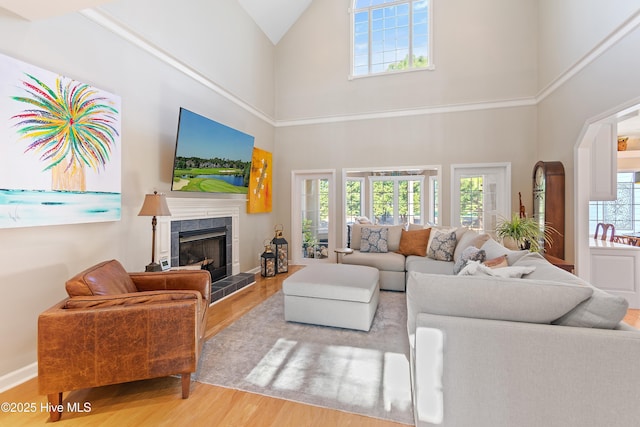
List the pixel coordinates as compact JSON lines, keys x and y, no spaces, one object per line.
{"x":19,"y":376}
{"x":254,"y":270}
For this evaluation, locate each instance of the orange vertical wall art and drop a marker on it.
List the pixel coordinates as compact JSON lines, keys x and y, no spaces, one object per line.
{"x":260,"y":190}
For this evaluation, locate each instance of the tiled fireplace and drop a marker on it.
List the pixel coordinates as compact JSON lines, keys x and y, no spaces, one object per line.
{"x":204,"y":242}
{"x":207,"y":230}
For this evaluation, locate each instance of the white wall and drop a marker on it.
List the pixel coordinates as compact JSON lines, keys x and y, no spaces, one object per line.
{"x":600,"y":85}
{"x":222,"y":44}
{"x":570,"y":29}
{"x":485,"y":52}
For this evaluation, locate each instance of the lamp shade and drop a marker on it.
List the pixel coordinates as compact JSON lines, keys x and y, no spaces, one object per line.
{"x":155,"y":205}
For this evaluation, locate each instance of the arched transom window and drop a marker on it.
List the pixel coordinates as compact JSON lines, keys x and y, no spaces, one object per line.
{"x":391,"y":35}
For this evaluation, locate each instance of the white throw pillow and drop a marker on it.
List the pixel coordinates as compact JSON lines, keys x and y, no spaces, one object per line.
{"x":476,"y":268}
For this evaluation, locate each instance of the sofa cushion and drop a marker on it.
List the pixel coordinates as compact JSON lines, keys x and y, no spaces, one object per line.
{"x":414,"y":242}
{"x":412,"y":226}
{"x":442,"y":246}
{"x":393,"y":236}
{"x":494,"y":298}
{"x":389,"y":261}
{"x":428,"y":265}
{"x":106,"y":278}
{"x":495,"y":249}
{"x":469,"y":254}
{"x":374,"y":240}
{"x":469,"y":238}
{"x":603,"y":310}
{"x":147,"y":297}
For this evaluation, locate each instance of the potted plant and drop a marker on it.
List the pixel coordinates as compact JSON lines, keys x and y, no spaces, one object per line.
{"x":309,"y":240}
{"x":525,"y":233}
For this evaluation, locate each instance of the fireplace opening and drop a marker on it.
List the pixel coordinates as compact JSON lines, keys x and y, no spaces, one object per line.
{"x":205,"y":249}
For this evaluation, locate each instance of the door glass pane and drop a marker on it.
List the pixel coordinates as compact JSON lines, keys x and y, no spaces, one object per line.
{"x":434,"y":201}
{"x":490,"y":215}
{"x":471,"y":202}
{"x":315,"y":218}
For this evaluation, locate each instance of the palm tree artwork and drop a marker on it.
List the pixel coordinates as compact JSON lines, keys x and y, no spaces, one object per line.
{"x":70,"y":126}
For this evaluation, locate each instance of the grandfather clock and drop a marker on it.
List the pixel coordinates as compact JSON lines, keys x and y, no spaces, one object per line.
{"x":548,"y":203}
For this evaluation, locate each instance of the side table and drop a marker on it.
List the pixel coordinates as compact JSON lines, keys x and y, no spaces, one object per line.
{"x":343,"y":251}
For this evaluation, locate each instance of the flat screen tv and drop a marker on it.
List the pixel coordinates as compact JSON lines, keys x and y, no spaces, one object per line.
{"x":210,"y":157}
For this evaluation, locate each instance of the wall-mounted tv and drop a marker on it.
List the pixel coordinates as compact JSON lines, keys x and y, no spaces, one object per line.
{"x":210,"y":157}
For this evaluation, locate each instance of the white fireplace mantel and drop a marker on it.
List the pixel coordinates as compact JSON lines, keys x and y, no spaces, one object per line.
{"x":199,"y":208}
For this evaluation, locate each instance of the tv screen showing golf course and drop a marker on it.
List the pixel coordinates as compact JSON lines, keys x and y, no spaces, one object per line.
{"x":210,"y":157}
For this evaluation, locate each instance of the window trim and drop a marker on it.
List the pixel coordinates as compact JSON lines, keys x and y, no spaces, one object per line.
{"x":297,"y":176}
{"x":501,"y":170}
{"x":430,"y":67}
{"x":345,"y":175}
{"x":434,"y":195}
{"x":396,"y":193}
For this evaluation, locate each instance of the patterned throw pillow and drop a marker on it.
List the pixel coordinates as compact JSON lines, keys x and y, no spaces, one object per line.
{"x":442,"y":246}
{"x":469,"y":254}
{"x":374,"y":240}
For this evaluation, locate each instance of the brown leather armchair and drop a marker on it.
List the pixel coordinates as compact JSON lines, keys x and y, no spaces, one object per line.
{"x":118,"y":327}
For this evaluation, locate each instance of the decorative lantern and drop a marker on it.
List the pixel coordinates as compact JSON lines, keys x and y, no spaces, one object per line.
{"x":282,"y":250}
{"x":267,"y":261}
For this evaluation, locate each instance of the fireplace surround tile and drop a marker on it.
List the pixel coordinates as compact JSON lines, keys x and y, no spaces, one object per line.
{"x":229,"y":284}
{"x":201,"y":224}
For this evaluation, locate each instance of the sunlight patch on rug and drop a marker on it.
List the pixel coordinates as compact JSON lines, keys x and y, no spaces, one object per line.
{"x":354,"y":371}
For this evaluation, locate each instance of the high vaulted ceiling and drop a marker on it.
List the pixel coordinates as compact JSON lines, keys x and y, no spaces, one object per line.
{"x":274,"y":17}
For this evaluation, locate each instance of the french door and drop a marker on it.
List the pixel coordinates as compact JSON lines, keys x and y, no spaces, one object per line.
{"x":313,"y":217}
{"x":481,"y":195}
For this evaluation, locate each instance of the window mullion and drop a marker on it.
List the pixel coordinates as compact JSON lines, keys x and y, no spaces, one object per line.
{"x":396,"y":201}
{"x":410,"y":59}
{"x":370,"y":39}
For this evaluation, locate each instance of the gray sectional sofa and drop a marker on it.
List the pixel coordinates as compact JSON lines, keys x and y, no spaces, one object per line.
{"x":544,"y":349}
{"x":393,"y":266}
{"x":390,"y":264}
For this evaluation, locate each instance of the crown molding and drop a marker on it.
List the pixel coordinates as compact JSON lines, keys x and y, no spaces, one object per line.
{"x":607,"y":43}
{"x":441,"y":109}
{"x":110,"y":23}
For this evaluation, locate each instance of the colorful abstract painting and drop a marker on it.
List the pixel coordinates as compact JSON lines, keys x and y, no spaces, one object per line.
{"x":260,"y":194}
{"x":60,"y":153}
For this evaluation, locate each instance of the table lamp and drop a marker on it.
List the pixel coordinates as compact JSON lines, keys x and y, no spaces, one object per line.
{"x":154,"y":205}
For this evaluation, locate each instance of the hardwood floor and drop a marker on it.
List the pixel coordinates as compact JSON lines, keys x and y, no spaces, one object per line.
{"x":158,"y":402}
{"x":633,"y":318}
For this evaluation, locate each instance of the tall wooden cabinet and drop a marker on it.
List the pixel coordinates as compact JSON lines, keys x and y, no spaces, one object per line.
{"x":548,"y":203}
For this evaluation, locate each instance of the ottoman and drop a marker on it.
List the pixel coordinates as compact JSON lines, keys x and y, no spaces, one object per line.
{"x":340,"y":295}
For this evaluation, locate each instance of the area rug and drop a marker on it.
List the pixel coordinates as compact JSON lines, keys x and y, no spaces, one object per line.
{"x":360,"y":372}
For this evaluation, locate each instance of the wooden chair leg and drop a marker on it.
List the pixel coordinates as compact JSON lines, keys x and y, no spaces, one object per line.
{"x":186,"y":385}
{"x":55,"y":406}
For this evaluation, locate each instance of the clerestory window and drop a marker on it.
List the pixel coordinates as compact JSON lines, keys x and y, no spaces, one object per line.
{"x":391,"y":36}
